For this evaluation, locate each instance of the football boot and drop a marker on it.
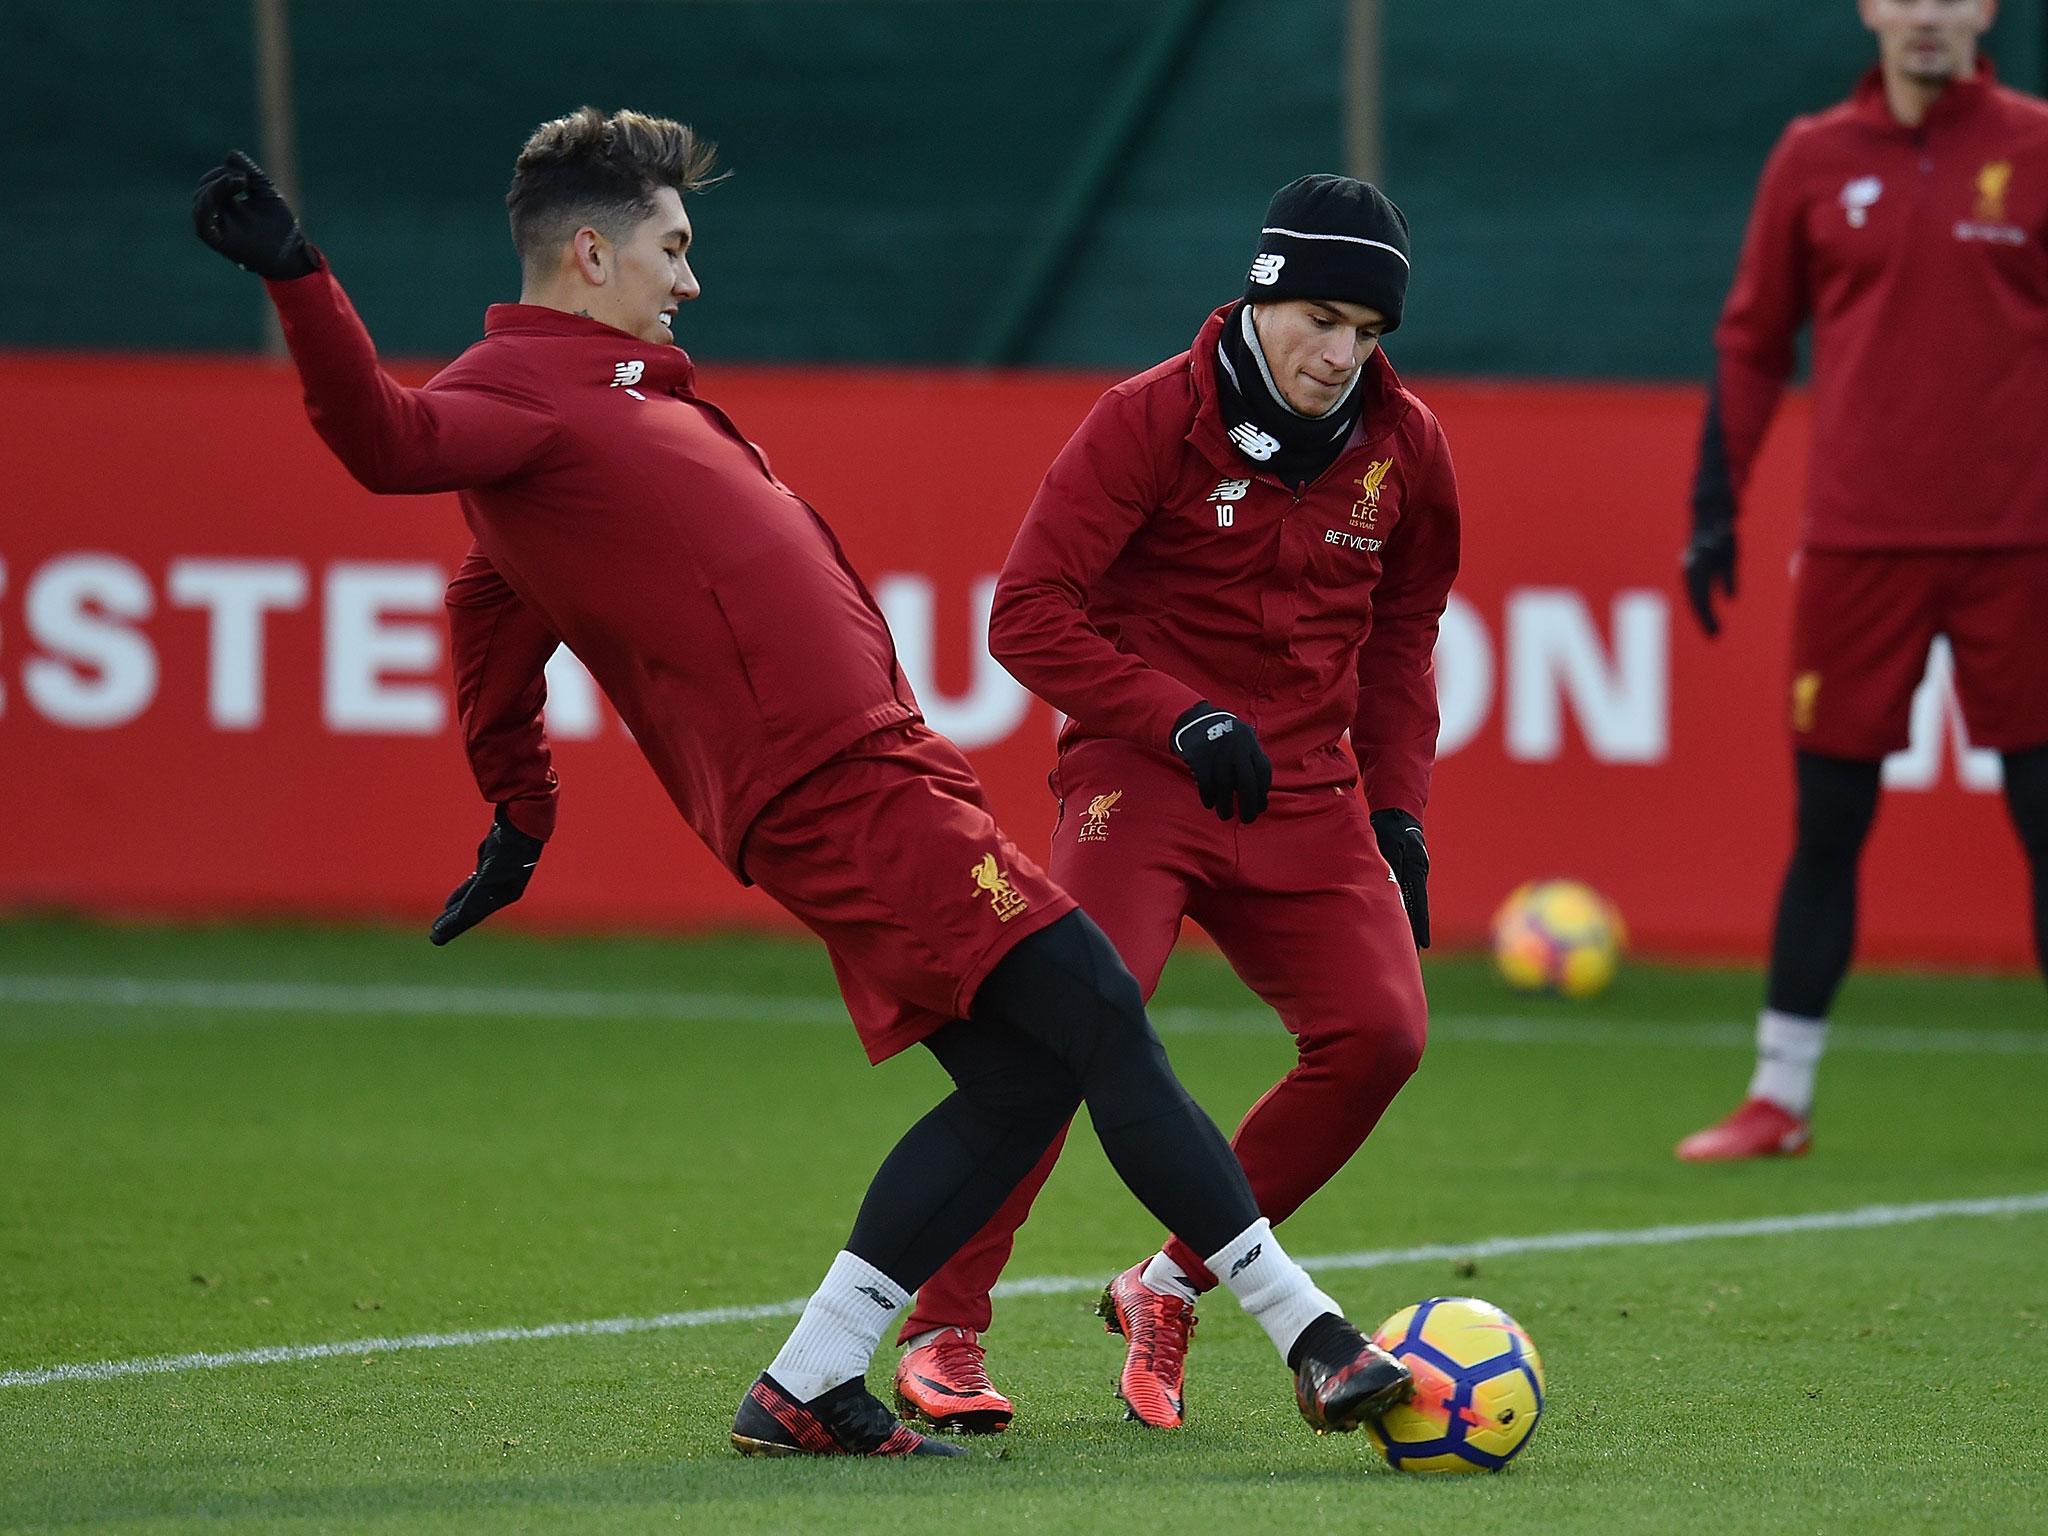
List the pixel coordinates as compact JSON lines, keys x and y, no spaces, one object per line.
{"x":848,"y":1420}
{"x":1342,"y":1378}
{"x":1156,"y":1327}
{"x":1758,"y":1128}
{"x":945,"y":1383}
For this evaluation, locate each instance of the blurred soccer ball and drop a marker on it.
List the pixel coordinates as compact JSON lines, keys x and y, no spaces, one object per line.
{"x":1478,"y":1387}
{"x":1557,"y":936}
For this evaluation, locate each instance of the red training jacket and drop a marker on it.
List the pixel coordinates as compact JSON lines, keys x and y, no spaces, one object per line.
{"x":616,"y":511}
{"x":1921,"y":256}
{"x":1158,"y":567}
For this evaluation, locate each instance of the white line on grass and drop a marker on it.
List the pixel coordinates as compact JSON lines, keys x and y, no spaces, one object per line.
{"x":365,"y":1001}
{"x":1054,"y":1285}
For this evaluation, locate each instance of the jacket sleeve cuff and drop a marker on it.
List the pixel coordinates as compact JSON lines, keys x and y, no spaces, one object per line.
{"x":535,"y":817}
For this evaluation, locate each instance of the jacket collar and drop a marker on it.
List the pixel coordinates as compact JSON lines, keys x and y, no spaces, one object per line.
{"x":1380,"y":411}
{"x":1958,"y":100}
{"x":663,"y":367}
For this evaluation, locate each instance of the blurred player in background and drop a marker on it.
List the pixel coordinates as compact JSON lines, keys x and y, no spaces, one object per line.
{"x":1241,"y":555}
{"x":617,"y":510}
{"x":1910,"y":224}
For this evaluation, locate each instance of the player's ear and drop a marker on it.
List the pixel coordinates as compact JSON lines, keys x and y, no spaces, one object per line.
{"x":593,"y":255}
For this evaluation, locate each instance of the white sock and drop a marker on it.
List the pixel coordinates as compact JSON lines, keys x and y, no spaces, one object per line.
{"x":1168,"y":1278}
{"x":840,"y":1330}
{"x":1269,"y":1285}
{"x":1788,"y":1051}
{"x":919,"y":1340}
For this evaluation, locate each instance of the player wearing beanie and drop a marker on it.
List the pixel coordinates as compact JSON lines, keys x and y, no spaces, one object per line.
{"x":1240,"y":557}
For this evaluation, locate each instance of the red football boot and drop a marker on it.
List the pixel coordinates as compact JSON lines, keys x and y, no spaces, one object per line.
{"x":1158,"y":1327}
{"x":946,"y":1384}
{"x":848,"y":1420}
{"x":1758,"y":1128}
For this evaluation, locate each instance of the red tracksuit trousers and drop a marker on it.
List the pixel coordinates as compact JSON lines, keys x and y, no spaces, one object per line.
{"x":1305,"y":910}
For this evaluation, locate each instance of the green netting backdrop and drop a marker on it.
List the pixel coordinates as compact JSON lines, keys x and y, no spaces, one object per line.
{"x":1576,"y":176}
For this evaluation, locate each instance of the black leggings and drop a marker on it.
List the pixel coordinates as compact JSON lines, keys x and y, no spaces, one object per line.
{"x":2026,"y":798}
{"x":1837,"y":802}
{"x":1059,"y":1022}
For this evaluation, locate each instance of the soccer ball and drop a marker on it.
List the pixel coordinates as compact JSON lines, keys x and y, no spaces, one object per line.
{"x":1478,"y":1387}
{"x":1557,"y":936}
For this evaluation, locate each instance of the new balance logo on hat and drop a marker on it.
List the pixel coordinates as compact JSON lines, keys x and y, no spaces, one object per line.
{"x":1330,"y":237}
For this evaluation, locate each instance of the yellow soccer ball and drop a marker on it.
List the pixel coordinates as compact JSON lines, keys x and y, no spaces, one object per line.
{"x":1478,"y":1387}
{"x":1557,"y":936}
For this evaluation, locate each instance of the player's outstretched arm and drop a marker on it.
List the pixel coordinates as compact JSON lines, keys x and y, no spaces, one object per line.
{"x":462,"y":431}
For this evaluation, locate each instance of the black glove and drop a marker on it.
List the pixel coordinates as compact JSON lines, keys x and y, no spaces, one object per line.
{"x":1401,"y":845}
{"x":1231,"y":769}
{"x":504,"y":863}
{"x":240,"y":214}
{"x":1709,"y":558}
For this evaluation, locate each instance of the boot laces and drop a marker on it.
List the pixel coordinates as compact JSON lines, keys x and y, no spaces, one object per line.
{"x":958,"y":1357}
{"x":1165,"y":1326}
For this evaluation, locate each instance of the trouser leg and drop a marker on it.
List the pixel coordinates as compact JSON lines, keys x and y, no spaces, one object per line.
{"x":1318,"y":932}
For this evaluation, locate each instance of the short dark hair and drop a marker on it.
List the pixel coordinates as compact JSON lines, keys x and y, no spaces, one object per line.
{"x":587,"y":168}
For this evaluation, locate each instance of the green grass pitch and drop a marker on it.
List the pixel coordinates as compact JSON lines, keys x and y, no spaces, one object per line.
{"x":291,"y":1138}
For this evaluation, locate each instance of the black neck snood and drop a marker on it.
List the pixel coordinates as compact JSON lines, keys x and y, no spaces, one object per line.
{"x":1263,"y":426}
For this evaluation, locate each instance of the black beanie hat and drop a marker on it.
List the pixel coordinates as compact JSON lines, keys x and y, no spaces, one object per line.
{"x":1329,"y":237}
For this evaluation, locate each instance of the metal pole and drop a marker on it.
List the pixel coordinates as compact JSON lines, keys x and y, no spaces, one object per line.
{"x":1364,"y":138}
{"x":274,"y":105}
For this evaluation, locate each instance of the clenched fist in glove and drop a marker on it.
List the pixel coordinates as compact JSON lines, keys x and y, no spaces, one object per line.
{"x":1231,"y":769}
{"x":239,"y":213}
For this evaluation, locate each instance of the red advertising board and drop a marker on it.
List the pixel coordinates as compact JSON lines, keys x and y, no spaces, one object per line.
{"x":223,"y":678}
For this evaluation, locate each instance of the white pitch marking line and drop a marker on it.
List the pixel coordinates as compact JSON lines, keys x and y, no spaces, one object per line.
{"x":1054,"y":1285}
{"x":427,"y":1000}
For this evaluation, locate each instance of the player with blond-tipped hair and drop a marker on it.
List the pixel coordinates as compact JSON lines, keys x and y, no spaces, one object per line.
{"x":619,"y":512}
